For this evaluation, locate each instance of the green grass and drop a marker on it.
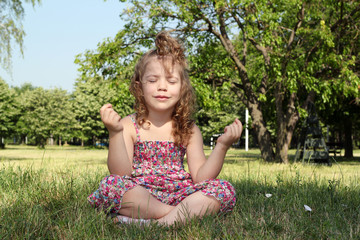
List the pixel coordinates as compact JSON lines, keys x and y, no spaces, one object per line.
{"x":43,"y":195}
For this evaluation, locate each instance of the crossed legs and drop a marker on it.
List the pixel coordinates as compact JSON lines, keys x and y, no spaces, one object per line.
{"x":139,"y":203}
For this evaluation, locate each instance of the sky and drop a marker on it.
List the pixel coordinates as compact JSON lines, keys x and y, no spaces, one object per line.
{"x":56,"y":31}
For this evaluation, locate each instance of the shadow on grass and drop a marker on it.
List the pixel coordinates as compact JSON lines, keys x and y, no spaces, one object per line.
{"x":355,"y":161}
{"x":237,"y":160}
{"x":18,"y":159}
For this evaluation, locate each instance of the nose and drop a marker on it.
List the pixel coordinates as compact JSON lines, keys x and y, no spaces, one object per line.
{"x":162,"y":85}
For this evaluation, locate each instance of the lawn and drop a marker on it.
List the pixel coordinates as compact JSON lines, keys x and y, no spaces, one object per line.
{"x":43,"y":195}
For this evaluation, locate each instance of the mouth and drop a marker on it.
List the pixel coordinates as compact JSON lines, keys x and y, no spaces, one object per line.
{"x":162,"y":98}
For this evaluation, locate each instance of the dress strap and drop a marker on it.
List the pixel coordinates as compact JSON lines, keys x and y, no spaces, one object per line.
{"x":133,"y":119}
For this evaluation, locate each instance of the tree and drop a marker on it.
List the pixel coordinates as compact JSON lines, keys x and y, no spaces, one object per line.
{"x":11,"y":15}
{"x":105,"y":78}
{"x":8,"y":111}
{"x":46,"y":113}
{"x":342,"y":113}
{"x":283,"y":51}
{"x":89,"y":95}
{"x":210,"y":75}
{"x":21,"y":129}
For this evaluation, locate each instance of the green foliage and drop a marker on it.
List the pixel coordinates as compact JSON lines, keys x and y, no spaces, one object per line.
{"x":45,"y":114}
{"x":11,"y":31}
{"x":110,"y":67}
{"x":87,"y":99}
{"x":282,"y":51}
{"x":8,"y":110}
{"x":105,"y":78}
{"x":211,"y":76}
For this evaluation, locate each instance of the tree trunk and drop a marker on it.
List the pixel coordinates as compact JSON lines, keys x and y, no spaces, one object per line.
{"x":348,"y":145}
{"x":282,"y":145}
{"x":283,"y":140}
{"x":263,"y":135}
{"x":286,"y":123}
{"x":2,"y":144}
{"x":94,"y":141}
{"x":51,"y":142}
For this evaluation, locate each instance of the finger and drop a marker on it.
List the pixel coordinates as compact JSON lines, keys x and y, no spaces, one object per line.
{"x":115,"y":116}
{"x":226,"y":129}
{"x":235,"y":132}
{"x":238,"y":125}
{"x":229,"y":131}
{"x":104,"y":108}
{"x":106,"y":114}
{"x":238,"y":122}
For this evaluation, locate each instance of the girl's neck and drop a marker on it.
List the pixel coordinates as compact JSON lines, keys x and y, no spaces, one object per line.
{"x":159,"y":119}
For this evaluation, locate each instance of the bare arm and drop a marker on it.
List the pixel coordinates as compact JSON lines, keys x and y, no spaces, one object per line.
{"x":120,"y":141}
{"x":202,"y":169}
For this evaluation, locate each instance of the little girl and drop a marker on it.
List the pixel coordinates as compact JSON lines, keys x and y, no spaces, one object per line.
{"x":146,"y":150}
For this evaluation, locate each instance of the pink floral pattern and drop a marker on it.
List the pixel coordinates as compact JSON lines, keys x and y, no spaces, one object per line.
{"x":158,"y":167}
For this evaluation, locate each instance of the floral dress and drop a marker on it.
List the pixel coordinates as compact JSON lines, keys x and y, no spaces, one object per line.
{"x":158,"y":167}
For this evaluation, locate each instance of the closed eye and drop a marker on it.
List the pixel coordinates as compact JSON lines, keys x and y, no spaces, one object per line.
{"x":172,"y":80}
{"x":151,"y":80}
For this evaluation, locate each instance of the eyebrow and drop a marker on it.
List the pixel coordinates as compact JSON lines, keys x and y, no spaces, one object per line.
{"x":152,"y":75}
{"x":157,"y":75}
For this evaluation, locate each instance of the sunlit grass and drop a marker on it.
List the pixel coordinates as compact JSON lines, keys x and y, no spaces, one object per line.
{"x":54,"y":157}
{"x":43,"y":195}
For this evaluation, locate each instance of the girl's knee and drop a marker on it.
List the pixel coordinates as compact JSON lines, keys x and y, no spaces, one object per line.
{"x":223,"y":191}
{"x":140,"y":202}
{"x":222,"y":187}
{"x":111,"y":180}
{"x":201,"y":203}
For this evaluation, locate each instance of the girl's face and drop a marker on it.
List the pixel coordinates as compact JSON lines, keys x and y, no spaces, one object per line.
{"x":161,"y":88}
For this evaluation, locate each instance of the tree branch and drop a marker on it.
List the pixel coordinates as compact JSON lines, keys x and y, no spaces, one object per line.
{"x":262,"y":50}
{"x":226,"y":42}
{"x":241,"y":26}
{"x":346,"y":19}
{"x":301,"y":15}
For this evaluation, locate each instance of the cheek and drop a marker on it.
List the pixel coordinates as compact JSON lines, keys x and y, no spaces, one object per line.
{"x":177,"y":88}
{"x":146,"y":89}
{"x":176,"y":91}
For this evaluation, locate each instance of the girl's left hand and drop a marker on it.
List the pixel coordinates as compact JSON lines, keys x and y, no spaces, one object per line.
{"x":231,"y":134}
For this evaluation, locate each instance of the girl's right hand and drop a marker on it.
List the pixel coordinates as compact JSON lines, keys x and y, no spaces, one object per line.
{"x":110,"y":118}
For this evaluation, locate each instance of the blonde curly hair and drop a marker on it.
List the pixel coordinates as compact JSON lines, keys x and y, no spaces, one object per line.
{"x":167,"y":48}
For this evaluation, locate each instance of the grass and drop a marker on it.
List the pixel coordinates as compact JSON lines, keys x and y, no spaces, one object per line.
{"x":43,"y":196}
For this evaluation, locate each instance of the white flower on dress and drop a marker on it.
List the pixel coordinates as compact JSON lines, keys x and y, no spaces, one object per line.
{"x":111,"y":195}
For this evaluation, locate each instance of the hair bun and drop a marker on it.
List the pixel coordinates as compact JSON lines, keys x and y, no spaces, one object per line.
{"x":169,"y":46}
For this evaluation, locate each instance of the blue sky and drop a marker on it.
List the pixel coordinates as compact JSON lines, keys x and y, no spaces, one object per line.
{"x":56,"y":31}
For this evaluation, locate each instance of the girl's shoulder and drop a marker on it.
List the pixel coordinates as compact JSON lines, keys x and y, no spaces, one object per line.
{"x":128,"y":123}
{"x":129,"y":119}
{"x":195,"y":129}
{"x":195,"y":135}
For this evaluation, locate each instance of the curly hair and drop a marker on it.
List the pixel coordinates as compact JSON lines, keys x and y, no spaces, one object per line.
{"x":167,"y":48}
